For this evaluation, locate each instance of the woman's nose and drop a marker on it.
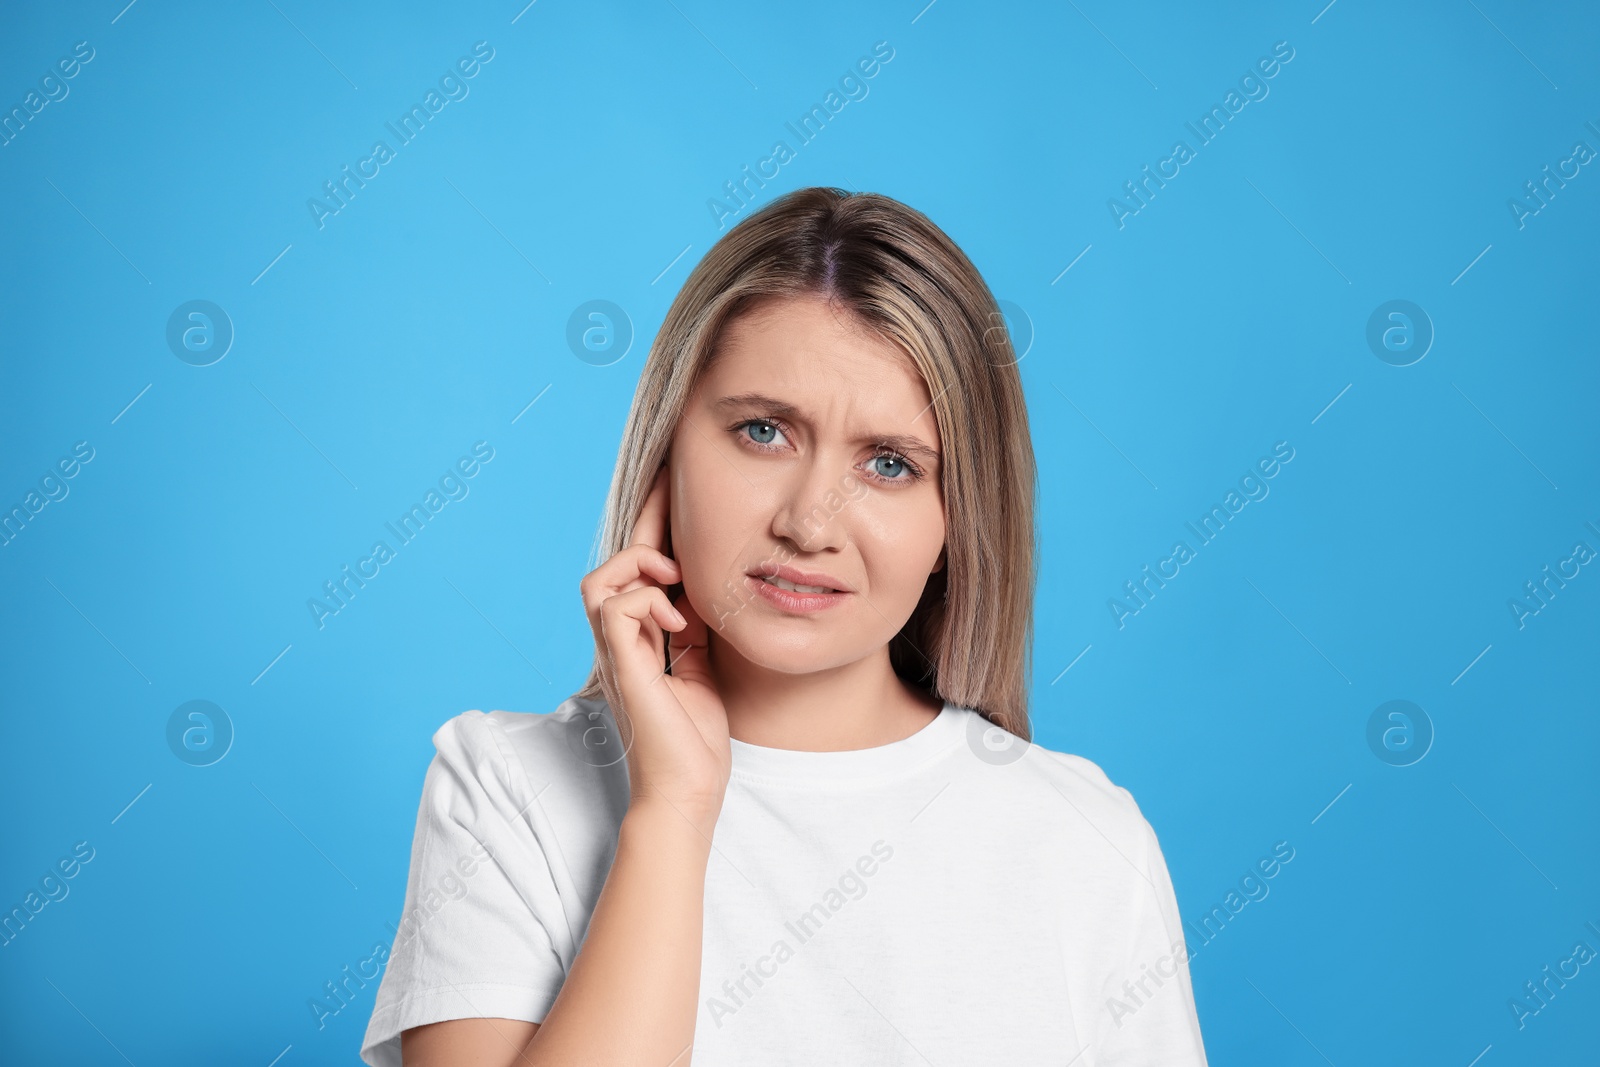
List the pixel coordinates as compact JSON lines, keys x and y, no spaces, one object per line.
{"x":811,"y":507}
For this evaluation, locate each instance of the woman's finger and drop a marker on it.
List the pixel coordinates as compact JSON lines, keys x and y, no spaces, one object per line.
{"x":633,"y":623}
{"x":631,"y":626}
{"x":635,"y":567}
{"x":623,"y":571}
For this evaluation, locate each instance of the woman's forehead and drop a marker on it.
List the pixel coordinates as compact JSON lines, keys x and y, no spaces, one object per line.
{"x":806,"y":347}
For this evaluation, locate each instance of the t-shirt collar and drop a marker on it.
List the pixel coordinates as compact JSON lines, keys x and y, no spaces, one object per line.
{"x":945,"y":731}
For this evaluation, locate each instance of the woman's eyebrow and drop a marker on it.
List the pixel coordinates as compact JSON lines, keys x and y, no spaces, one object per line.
{"x":759,"y":400}
{"x":903,"y":444}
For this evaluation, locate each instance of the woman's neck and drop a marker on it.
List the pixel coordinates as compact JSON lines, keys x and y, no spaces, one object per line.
{"x":856,"y":705}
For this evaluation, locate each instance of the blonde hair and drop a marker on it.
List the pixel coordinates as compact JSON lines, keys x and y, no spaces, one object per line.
{"x":969,"y":638}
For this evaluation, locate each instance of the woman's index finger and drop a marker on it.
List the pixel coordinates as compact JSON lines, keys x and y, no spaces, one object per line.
{"x":651,"y":527}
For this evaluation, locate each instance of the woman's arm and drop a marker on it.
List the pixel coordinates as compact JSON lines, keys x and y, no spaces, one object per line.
{"x":631,"y":994}
{"x":630,"y":997}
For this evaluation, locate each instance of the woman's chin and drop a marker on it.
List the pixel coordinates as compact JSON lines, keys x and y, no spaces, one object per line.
{"x":803,"y":655}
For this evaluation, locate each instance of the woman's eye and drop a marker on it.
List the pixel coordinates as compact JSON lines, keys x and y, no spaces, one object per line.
{"x":762,"y":433}
{"x":891,"y":469}
{"x":885,"y":466}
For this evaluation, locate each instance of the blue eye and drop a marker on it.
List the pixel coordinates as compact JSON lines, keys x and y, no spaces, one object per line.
{"x":762,"y":428}
{"x":763,"y":433}
{"x":891,"y":475}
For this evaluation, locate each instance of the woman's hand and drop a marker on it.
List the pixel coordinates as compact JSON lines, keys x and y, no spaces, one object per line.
{"x":674,"y":727}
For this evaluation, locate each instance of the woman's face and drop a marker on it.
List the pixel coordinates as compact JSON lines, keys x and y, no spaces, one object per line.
{"x":809,"y":450}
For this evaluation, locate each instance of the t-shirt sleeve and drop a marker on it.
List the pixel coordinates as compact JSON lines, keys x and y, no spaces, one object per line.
{"x":1150,"y":1014}
{"x":475,"y":937}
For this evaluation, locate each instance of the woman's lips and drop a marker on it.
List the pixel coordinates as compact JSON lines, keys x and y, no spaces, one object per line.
{"x":794,"y":603}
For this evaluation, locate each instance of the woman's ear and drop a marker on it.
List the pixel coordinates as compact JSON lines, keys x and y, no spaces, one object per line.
{"x":666,"y":533}
{"x":938,"y":564}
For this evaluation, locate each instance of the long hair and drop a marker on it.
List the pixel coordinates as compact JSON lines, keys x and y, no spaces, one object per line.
{"x":969,"y":639}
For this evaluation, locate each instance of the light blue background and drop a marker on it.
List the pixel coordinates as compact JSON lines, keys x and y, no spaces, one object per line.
{"x":426,"y":315}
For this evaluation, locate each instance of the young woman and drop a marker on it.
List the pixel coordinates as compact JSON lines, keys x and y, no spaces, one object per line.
{"x":794,"y":815}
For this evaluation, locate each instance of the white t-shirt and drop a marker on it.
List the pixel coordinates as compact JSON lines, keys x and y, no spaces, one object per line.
{"x":956,"y":897}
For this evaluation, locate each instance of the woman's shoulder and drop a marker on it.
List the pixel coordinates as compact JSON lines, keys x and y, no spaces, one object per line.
{"x":566,"y":724}
{"x":1085,"y":785}
{"x":574,"y":748}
